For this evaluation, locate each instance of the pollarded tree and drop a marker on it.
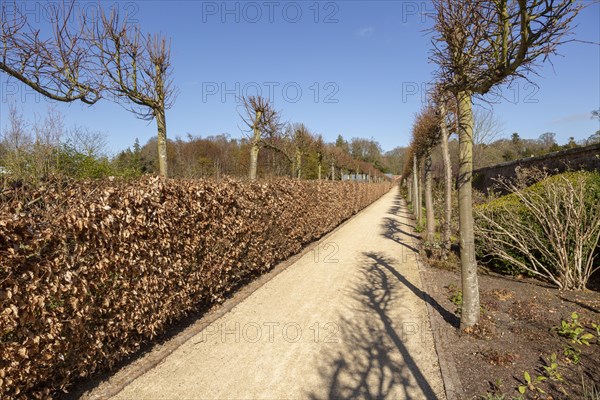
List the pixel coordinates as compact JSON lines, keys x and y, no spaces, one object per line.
{"x":416,"y":187}
{"x":263,"y":121}
{"x":59,"y":64}
{"x":426,"y":135}
{"x":478,"y":45}
{"x":411,"y":175}
{"x":136,"y":69}
{"x":446,"y":108}
{"x":407,"y":172}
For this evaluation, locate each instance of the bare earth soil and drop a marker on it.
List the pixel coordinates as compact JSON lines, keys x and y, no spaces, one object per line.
{"x":517,"y":334}
{"x":346,"y":320}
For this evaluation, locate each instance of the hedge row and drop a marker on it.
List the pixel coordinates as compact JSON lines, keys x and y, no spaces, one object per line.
{"x":91,"y":270}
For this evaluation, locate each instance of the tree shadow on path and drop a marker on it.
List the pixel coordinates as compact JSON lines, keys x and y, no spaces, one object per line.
{"x":449,"y":317}
{"x":393,"y":231}
{"x":373,"y":361}
{"x":397,"y":209}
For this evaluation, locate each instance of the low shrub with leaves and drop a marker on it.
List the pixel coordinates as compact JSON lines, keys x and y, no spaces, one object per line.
{"x":550,"y":230}
{"x":91,"y":270}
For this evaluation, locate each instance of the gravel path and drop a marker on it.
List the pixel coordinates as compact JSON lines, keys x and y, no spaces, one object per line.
{"x":343,"y":321}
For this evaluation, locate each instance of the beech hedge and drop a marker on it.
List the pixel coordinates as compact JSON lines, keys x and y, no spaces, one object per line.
{"x":90,"y":270}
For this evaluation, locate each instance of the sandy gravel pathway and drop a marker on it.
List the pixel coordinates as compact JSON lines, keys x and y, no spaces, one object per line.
{"x":344,"y":321}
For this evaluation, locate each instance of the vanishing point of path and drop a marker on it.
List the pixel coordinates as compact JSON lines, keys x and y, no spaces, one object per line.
{"x":344,"y":321}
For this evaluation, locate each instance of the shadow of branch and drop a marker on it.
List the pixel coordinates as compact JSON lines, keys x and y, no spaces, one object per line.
{"x":373,"y":362}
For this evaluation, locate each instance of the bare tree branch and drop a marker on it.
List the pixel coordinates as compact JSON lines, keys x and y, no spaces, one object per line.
{"x":59,"y":66}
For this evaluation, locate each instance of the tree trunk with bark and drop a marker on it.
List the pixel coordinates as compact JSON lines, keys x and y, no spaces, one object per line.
{"x":430,"y":235}
{"x":255,"y":147}
{"x":470,"y":287}
{"x":161,"y":124}
{"x":415,"y":202}
{"x":447,"y":227}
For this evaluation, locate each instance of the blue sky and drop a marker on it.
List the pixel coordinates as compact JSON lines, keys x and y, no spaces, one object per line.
{"x":356,"y":68}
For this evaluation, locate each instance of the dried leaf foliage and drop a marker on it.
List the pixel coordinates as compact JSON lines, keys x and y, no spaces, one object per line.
{"x":90,"y":270}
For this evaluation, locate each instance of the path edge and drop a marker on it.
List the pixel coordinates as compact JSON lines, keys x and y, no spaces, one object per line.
{"x":450,"y":378}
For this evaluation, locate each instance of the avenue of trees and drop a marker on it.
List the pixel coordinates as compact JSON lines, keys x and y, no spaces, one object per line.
{"x":477,"y":46}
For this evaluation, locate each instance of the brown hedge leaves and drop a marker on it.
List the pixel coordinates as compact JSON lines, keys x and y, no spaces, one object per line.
{"x":90,"y":270}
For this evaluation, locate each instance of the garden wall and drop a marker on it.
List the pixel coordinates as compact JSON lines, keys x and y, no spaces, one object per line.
{"x":91,"y":270}
{"x":580,"y":158}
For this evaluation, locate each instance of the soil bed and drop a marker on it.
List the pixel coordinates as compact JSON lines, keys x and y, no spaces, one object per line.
{"x":517,"y":333}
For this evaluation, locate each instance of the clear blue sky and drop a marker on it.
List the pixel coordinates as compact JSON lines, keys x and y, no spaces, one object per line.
{"x":355,"y":68}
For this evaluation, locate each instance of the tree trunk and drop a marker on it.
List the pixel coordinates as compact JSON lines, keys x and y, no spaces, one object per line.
{"x":447,"y":228}
{"x":470,"y":287}
{"x":332,"y":172}
{"x":255,"y":147}
{"x":409,"y":186}
{"x":319,"y":171}
{"x":420,"y":186}
{"x":253,"y":160}
{"x":161,"y":124}
{"x":415,"y":195}
{"x":298,"y":164}
{"x":430,"y":236}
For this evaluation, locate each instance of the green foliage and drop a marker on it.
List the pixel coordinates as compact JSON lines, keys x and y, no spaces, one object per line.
{"x":497,"y":205}
{"x":572,"y":353}
{"x":551,"y":370}
{"x":456,"y":297}
{"x":531,"y":384}
{"x":597,"y":328}
{"x":77,"y":165}
{"x":42,"y":162}
{"x":574,"y":331}
{"x":129,"y":164}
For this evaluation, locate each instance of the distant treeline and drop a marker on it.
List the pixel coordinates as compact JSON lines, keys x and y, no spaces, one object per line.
{"x":33,"y":151}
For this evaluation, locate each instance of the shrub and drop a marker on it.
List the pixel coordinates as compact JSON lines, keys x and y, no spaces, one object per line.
{"x":550,"y":229}
{"x":90,"y":270}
